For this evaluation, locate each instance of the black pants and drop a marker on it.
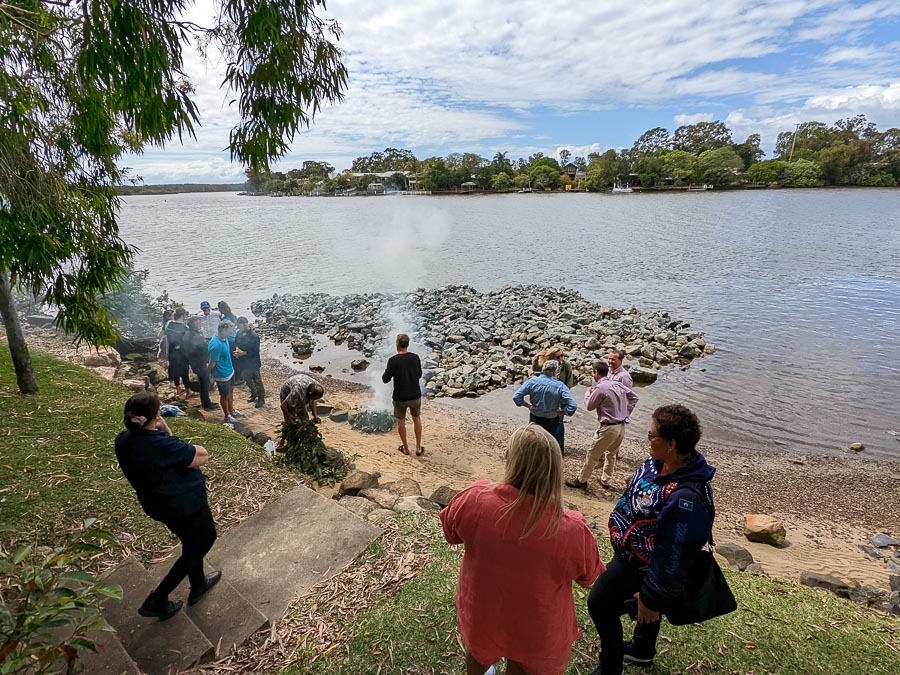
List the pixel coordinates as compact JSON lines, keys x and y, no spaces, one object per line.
{"x":254,"y":383}
{"x":606,"y":604}
{"x":178,"y":369}
{"x":197,"y":533}
{"x":552,"y":424}
{"x":203,"y":378}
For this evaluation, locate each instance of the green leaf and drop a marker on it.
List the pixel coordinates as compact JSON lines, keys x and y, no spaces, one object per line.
{"x":77,"y":575}
{"x":109,"y":590}
{"x":21,"y":554}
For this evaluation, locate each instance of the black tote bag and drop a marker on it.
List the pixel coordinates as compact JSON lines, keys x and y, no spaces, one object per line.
{"x":707,"y":594}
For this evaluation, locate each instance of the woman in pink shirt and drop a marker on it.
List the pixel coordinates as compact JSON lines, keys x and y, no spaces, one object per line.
{"x":523,"y":551}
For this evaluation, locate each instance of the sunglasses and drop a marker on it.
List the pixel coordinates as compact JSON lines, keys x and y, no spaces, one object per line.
{"x":651,"y":435}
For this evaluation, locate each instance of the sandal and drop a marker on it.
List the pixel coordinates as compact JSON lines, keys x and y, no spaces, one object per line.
{"x":403,"y":450}
{"x":420,"y":451}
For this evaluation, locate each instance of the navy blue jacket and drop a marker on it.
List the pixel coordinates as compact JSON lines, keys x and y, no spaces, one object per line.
{"x":248,"y":341}
{"x":660,"y":525}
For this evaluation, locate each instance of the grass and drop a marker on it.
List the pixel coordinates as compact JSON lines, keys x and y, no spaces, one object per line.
{"x":778,"y":628}
{"x":58,"y":464}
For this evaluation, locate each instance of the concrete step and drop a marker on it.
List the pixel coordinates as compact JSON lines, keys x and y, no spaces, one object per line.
{"x":287,"y":548}
{"x":157,"y":647}
{"x":223,"y":615}
{"x":111,"y":657}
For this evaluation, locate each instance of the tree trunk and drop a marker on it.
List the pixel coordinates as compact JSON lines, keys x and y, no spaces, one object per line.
{"x":16,"y":339}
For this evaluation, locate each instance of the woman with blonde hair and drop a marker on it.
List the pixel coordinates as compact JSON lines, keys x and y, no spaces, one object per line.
{"x":522,"y":553}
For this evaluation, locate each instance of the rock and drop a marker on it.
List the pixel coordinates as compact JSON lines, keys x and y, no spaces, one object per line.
{"x":405,"y":487}
{"x":895,"y":583}
{"x":333,"y":455}
{"x":379,"y":515}
{"x":415,"y":505}
{"x":95,"y":361}
{"x":155,"y":372}
{"x":883,"y":541}
{"x":383,"y":498}
{"x":826,"y":582}
{"x":755,"y":568}
{"x":359,"y":364}
{"x":893,"y":565}
{"x":765,"y":529}
{"x":243,"y":429}
{"x":135,"y":385}
{"x":856,"y":447}
{"x":642,"y":375}
{"x":106,"y":372}
{"x":358,"y":481}
{"x":443,"y":495}
{"x":868,"y":595}
{"x":358,"y":505}
{"x":871,"y":552}
{"x":339,"y":413}
{"x":260,"y":438}
{"x":736,"y":555}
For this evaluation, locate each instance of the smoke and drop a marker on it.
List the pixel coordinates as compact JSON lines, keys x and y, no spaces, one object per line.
{"x":416,"y":233}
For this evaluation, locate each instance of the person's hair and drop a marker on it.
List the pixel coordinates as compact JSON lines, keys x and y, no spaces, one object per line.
{"x":225,"y":309}
{"x":550,"y":367}
{"x":194,"y":323}
{"x":619,"y":353}
{"x":140,"y":409}
{"x":243,"y":319}
{"x":180,"y":313}
{"x":315,"y":390}
{"x":678,"y":423}
{"x":402,"y":341}
{"x":225,"y":327}
{"x":601,"y":367}
{"x":554,"y":352}
{"x":167,"y":316}
{"x":534,"y":467}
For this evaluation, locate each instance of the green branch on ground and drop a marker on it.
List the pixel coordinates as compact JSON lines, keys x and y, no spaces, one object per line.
{"x":300,"y":446}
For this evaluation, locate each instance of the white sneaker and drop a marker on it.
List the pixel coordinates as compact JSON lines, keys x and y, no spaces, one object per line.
{"x":237,"y":413}
{"x":230,"y":420}
{"x":490,"y":671}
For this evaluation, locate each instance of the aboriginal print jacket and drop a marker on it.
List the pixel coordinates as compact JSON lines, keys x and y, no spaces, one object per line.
{"x":661,"y":523}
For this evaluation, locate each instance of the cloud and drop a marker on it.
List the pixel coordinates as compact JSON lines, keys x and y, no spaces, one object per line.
{"x":439,"y":77}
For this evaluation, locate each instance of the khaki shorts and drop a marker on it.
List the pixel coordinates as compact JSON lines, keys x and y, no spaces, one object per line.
{"x":414,"y":407}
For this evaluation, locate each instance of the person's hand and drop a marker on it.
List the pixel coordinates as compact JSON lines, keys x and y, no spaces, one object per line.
{"x":645,"y":614}
{"x":316,"y":419}
{"x":527,"y":405}
{"x":560,"y":411}
{"x":239,"y":352}
{"x":162,"y":426}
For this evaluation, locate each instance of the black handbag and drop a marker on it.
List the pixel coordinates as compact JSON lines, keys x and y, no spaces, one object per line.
{"x":707,"y":594}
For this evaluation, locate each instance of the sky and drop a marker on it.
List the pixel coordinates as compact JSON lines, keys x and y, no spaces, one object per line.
{"x":529,"y":76}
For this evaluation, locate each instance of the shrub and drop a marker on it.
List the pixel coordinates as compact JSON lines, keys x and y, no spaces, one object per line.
{"x":49,"y":604}
{"x":300,"y":445}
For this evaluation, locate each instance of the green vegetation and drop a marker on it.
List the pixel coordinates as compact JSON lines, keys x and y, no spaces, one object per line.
{"x":58,"y":464}
{"x":852,"y":152}
{"x":177,"y":188}
{"x":82,"y":85}
{"x":300,"y":446}
{"x":779,"y":628}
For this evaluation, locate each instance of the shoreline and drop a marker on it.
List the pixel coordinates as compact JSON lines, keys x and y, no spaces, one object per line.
{"x":819,"y":501}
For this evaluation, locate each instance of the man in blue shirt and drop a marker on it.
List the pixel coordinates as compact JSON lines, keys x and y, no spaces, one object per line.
{"x":221,"y":369}
{"x":548,"y":398}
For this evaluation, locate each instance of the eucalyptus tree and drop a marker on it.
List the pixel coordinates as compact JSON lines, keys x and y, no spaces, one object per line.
{"x":82,"y":84}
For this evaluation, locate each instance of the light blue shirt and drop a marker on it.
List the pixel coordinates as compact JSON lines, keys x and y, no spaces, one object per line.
{"x":221,"y":354}
{"x":546,"y":395}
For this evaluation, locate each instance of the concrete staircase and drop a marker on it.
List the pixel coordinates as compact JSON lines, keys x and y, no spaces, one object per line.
{"x":268,"y":560}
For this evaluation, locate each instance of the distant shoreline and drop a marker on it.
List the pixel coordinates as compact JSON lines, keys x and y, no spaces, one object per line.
{"x":177,"y":188}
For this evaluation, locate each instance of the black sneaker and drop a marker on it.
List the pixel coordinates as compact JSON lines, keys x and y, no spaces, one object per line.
{"x":261,"y":403}
{"x":632,"y":655}
{"x":600,"y":670}
{"x":162,"y":610}
{"x":212,"y":406}
{"x":211,"y":580}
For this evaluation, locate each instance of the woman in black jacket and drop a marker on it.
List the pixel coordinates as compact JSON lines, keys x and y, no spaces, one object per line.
{"x":165,"y":473}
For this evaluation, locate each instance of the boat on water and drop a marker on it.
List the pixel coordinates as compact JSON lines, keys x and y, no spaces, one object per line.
{"x":699,"y":188}
{"x":618,"y":187}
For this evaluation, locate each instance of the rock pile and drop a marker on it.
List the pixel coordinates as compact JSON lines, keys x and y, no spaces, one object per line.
{"x":361,"y":494}
{"x":484,"y":341}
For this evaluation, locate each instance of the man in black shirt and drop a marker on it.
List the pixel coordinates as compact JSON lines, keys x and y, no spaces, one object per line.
{"x":246,"y":352}
{"x":405,"y":369}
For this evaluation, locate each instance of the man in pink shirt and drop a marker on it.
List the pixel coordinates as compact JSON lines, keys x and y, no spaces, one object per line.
{"x":616,"y":371}
{"x":613,"y":402}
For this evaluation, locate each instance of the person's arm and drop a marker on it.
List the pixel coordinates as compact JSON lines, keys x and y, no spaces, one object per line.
{"x":632,"y":400}
{"x":388,"y":372}
{"x":587,"y":556}
{"x":418,"y":368}
{"x":568,"y":404}
{"x":286,"y":411}
{"x":211,"y":353}
{"x":311,"y":406}
{"x":519,"y":396}
{"x":593,"y":397}
{"x":683,"y":528}
{"x":201,"y":457}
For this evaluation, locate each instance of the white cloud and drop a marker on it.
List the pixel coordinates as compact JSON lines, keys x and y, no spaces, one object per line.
{"x":470,"y":75}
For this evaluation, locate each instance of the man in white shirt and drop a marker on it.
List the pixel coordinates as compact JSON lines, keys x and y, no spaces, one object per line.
{"x":209,"y":320}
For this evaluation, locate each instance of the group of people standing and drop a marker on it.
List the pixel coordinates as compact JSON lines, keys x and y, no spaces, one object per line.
{"x":610,"y":393}
{"x":217,"y":347}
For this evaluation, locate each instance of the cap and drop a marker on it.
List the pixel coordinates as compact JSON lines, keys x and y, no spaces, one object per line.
{"x":204,"y":304}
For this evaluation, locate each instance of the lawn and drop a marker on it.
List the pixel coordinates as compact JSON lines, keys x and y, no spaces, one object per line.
{"x":58,"y":465}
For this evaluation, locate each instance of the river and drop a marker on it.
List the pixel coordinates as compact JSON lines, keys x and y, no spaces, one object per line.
{"x":798,"y":289}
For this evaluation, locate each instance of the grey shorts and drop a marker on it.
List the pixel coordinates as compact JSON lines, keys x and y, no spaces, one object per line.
{"x":414,"y":407}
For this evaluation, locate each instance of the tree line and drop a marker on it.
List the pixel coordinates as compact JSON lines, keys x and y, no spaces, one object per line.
{"x":850,"y":152}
